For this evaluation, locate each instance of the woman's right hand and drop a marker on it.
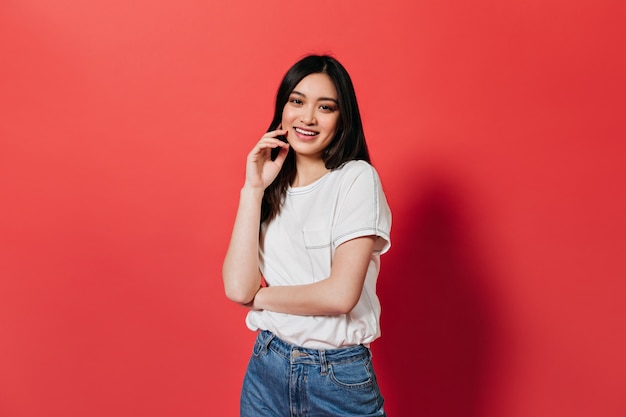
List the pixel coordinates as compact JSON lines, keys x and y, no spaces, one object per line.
{"x":260,"y":169}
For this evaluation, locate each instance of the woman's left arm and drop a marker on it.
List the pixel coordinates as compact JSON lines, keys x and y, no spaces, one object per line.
{"x":338,"y":294}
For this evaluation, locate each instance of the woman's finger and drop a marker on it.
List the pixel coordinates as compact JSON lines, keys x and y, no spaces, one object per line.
{"x":270,"y":142}
{"x":275,"y":133}
{"x":282,"y":154}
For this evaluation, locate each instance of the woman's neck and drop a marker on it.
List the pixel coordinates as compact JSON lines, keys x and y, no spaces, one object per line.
{"x":308,"y":171}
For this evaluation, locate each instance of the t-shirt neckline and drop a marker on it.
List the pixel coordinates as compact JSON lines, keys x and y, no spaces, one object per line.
{"x":308,"y":187}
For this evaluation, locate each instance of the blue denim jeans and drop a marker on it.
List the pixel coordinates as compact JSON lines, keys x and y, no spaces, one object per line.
{"x":284,"y":380}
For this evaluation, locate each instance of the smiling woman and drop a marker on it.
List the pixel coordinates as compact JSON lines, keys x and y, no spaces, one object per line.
{"x":497,"y":128}
{"x":324,"y":222}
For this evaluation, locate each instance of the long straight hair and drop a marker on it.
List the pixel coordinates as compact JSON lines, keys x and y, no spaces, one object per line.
{"x":348,"y":143}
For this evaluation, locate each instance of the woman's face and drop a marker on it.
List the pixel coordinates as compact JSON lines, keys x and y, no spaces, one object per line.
{"x":311,"y":115}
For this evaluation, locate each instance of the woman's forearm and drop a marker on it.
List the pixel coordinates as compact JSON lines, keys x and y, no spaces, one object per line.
{"x":240,"y":271}
{"x":317,"y":299}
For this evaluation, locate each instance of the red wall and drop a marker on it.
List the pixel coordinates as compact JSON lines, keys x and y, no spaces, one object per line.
{"x":497,"y":128}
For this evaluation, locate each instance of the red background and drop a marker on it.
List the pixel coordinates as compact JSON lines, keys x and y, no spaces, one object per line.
{"x":497,"y":128}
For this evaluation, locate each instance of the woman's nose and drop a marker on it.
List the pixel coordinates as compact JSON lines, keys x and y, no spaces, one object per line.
{"x":308,"y":115}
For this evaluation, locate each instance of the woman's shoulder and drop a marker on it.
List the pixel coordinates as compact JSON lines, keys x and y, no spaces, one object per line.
{"x":356,"y":168}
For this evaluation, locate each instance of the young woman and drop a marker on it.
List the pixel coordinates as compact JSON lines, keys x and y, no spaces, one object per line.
{"x":312,"y":223}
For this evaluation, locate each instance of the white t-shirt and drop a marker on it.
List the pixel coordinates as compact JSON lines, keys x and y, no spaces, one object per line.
{"x":297,"y":247}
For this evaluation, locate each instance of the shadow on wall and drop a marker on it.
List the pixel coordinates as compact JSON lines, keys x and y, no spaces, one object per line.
{"x":432,"y":359}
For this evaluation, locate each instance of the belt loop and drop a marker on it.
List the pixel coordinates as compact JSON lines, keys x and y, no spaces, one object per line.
{"x":266,"y":343}
{"x":323,"y":362}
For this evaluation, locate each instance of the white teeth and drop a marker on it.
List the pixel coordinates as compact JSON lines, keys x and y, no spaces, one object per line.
{"x":305,"y":132}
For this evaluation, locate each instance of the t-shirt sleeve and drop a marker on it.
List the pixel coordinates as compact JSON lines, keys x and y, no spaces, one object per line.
{"x":363,"y":208}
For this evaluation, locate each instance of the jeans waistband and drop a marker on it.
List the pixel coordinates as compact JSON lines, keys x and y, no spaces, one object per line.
{"x":297,"y":354}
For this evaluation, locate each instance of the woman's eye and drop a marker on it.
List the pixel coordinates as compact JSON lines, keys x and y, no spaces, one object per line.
{"x":327,"y":108}
{"x":295,"y":101}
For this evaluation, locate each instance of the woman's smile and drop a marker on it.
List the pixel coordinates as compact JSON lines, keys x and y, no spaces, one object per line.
{"x":305,"y":134}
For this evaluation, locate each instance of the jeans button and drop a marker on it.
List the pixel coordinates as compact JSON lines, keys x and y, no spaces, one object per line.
{"x":295,"y":354}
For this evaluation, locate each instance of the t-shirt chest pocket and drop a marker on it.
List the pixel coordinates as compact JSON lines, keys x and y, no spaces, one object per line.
{"x":318,"y":245}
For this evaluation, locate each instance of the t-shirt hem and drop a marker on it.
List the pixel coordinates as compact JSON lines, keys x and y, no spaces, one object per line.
{"x":365,"y":232}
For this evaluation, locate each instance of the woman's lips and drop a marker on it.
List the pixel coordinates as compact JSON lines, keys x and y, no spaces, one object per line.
{"x":305,"y":134}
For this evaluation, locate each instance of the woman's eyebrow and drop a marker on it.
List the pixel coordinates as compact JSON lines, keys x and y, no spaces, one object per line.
{"x":334,"y":100}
